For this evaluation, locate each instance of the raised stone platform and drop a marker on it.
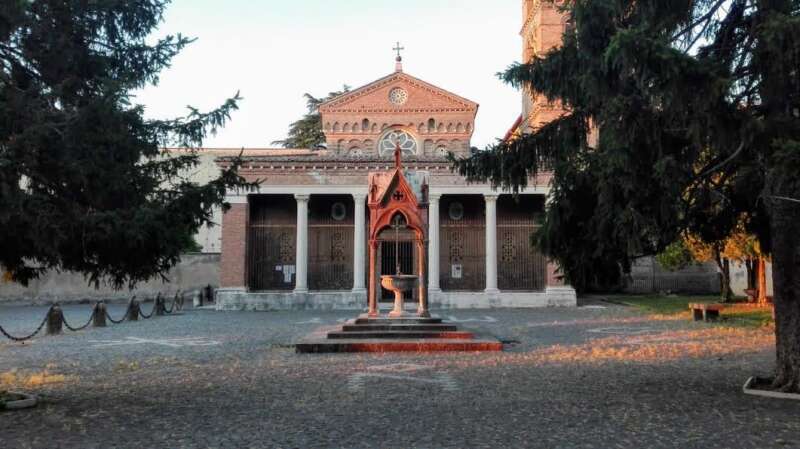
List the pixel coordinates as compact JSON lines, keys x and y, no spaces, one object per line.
{"x":407,"y":334}
{"x":241,"y":299}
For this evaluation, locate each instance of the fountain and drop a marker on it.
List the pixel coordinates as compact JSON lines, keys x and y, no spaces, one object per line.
{"x":393,"y":204}
{"x":398,"y":282}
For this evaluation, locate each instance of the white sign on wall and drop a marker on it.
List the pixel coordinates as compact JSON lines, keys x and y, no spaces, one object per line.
{"x":456,"y":271}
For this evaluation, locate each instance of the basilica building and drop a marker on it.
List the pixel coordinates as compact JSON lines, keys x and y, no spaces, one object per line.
{"x":299,"y":241}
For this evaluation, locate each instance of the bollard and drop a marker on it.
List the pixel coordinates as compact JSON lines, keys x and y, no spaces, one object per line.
{"x":133,"y":310}
{"x":160,"y":307}
{"x":99,"y":314}
{"x":55,"y":320}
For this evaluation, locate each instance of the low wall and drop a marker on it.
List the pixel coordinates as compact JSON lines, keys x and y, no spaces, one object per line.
{"x":193,"y":273}
{"x":647,"y":276}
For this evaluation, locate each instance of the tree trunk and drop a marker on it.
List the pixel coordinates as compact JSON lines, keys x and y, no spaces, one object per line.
{"x":751,"y":265}
{"x":762,"y":280}
{"x":786,"y":287}
{"x":724,"y":265}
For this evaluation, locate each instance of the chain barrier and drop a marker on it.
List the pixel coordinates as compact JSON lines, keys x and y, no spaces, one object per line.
{"x":152,"y":311}
{"x":27,"y":337}
{"x":76,"y":329}
{"x":175,"y":303}
{"x":160,"y":303}
{"x":124,"y":317}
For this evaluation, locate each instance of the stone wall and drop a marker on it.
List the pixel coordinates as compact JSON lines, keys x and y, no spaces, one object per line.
{"x":193,"y":273}
{"x":647,"y":276}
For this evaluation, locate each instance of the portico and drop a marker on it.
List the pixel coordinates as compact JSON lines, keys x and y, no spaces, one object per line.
{"x":300,"y":240}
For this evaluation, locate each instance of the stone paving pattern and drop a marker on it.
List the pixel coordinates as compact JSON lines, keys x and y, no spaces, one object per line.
{"x":563,"y":385}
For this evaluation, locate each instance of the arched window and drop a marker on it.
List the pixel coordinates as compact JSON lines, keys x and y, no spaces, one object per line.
{"x":365,"y":125}
{"x":391,"y":139}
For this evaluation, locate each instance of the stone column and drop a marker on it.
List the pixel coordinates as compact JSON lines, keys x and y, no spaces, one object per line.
{"x":433,"y":243}
{"x":359,"y":240}
{"x":491,"y":243}
{"x":301,"y":260}
{"x":373,"y":294}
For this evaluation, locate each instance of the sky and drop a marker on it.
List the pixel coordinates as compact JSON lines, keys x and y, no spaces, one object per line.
{"x":274,"y":51}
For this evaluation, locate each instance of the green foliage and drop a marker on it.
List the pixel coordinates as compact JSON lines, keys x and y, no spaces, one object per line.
{"x":675,"y":256}
{"x":307,"y":132}
{"x":697,"y":104}
{"x":84,"y":184}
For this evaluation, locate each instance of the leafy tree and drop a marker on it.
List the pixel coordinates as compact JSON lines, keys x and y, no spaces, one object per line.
{"x":698,"y":107}
{"x":676,"y":256}
{"x":84,"y":184}
{"x":307,"y":132}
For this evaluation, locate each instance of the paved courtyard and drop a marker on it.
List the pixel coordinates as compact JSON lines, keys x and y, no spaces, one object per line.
{"x":600,"y":376}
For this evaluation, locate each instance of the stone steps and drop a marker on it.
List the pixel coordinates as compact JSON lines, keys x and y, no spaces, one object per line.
{"x":400,"y":327}
{"x":404,"y":334}
{"x":397,"y":334}
{"x":405,"y":320}
{"x":380,"y":346}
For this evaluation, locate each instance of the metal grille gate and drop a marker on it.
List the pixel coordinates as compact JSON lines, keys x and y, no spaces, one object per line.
{"x":330,"y":242}
{"x":520,"y":266}
{"x":462,"y":250}
{"x":271,"y":240}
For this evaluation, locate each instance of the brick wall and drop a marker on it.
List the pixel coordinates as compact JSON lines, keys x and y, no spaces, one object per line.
{"x":234,"y":247}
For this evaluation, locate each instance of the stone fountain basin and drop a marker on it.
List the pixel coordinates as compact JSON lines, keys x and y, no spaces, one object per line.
{"x":399,"y":282}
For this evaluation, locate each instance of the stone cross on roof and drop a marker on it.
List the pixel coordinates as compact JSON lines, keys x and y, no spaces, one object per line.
{"x":399,"y":66}
{"x":398,"y":49}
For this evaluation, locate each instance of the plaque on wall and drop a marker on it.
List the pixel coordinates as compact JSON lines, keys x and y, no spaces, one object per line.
{"x":455,"y":271}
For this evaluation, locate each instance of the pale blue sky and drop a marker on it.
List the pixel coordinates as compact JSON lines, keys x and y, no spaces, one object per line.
{"x":273,"y":51}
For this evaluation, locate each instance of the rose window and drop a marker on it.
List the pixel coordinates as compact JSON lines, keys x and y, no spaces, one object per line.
{"x":390,"y":141}
{"x":398,"y":96}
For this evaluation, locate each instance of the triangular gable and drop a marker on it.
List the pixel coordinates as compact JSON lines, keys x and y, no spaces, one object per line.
{"x":397,"y":184}
{"x":423,"y":96}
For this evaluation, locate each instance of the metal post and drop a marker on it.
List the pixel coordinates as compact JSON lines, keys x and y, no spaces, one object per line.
{"x":160,"y":308}
{"x":55,"y":320}
{"x":133,"y":310}
{"x":99,"y":317}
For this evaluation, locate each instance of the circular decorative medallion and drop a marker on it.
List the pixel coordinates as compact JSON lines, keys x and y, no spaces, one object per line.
{"x":398,"y":96}
{"x":338,"y":211}
{"x":456,"y":211}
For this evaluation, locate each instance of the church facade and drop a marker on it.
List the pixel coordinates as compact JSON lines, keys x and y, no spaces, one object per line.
{"x":299,"y":241}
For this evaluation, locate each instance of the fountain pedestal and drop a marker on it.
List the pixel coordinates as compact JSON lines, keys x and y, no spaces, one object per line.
{"x":398,"y":284}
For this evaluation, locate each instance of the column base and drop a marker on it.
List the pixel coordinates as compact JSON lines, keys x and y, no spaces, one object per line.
{"x":359,"y":290}
{"x":300,"y":290}
{"x":492,"y":291}
{"x":563,"y":295}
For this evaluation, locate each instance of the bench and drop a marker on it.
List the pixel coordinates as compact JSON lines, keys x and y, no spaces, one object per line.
{"x":705,"y":312}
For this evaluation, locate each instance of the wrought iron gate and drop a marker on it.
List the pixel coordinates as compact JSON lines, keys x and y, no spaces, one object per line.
{"x":520,"y":266}
{"x":271,"y":240}
{"x":462,"y":250}
{"x":330,"y":243}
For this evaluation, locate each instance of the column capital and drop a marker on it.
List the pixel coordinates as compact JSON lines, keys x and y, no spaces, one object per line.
{"x":302,"y":197}
{"x":490,"y":197}
{"x":434,"y":197}
{"x":359,"y":197}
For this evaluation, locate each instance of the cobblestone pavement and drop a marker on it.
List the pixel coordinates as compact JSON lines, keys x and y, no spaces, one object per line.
{"x":591,"y":377}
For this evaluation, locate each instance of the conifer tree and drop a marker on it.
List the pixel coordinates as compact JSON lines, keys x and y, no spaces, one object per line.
{"x":307,"y":132}
{"x":84,"y":182}
{"x":698,"y":109}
